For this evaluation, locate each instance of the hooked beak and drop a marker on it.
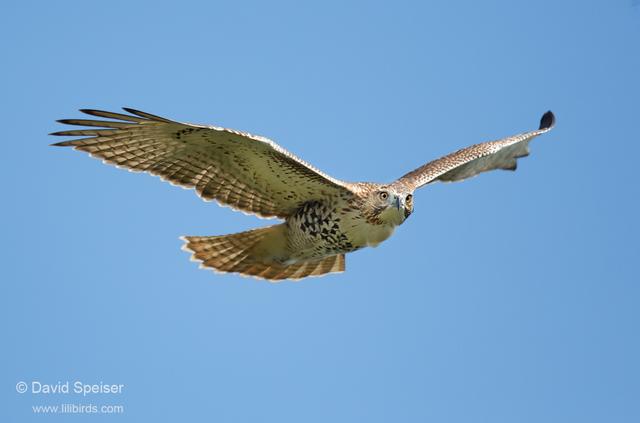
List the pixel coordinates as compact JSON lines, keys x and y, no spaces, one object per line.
{"x":399,"y":203}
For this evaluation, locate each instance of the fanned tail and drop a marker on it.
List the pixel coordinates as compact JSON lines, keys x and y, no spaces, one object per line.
{"x":259,"y":253}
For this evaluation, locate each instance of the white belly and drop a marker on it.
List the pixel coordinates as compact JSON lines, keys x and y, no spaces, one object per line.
{"x":367,"y":235}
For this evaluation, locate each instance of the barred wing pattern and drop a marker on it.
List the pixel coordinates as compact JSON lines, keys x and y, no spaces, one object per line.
{"x":246,"y":172}
{"x":470,"y":161}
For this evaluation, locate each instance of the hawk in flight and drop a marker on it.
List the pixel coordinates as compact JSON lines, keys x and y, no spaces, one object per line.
{"x":324,"y":218}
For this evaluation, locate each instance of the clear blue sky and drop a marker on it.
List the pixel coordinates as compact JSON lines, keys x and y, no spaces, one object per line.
{"x":512,"y":297}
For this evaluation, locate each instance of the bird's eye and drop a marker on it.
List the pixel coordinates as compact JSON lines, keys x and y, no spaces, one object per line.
{"x":409,"y":198}
{"x":383,"y":195}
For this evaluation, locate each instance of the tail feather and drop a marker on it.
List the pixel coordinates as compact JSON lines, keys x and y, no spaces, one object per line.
{"x":259,"y":253}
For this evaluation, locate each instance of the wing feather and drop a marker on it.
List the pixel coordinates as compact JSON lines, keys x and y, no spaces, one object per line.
{"x":470,"y":161}
{"x":112,"y":115}
{"x":247,"y":172}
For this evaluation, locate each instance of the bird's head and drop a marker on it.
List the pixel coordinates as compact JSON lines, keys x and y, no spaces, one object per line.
{"x":389,"y":205}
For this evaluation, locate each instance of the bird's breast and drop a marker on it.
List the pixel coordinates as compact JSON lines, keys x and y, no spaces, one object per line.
{"x":364,"y":234}
{"x":322,"y":228}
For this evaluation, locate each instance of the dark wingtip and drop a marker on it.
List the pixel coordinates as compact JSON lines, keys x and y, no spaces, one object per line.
{"x":60,"y":144}
{"x":133,"y":111}
{"x":547,"y":121}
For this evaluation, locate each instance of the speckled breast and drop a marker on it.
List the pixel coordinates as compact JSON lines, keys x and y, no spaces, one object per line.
{"x":315,"y":231}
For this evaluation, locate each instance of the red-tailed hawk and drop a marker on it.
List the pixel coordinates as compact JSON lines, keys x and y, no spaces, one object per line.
{"x":324,"y":218}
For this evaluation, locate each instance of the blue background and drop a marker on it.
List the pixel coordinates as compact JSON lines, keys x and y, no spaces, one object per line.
{"x":511,"y":297}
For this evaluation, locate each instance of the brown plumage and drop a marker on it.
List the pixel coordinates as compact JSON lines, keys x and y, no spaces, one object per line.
{"x":324,"y":218}
{"x":239,"y":253}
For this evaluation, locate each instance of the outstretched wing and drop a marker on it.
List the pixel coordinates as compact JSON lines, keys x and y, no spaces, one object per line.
{"x":470,"y":161}
{"x":244,"y":171}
